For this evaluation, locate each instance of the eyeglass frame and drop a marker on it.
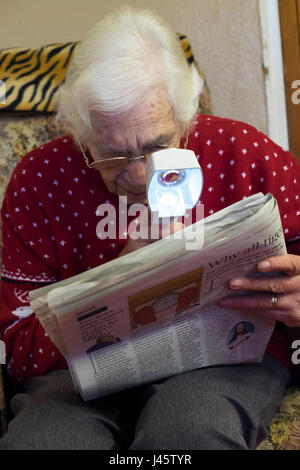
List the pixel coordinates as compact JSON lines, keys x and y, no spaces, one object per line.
{"x":129,"y":159}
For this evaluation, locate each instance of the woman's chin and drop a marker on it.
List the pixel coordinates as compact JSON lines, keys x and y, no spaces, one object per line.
{"x":135,"y":197}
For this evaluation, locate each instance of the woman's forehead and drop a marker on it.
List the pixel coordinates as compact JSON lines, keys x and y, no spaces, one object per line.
{"x":132,"y":133}
{"x":154,"y":111}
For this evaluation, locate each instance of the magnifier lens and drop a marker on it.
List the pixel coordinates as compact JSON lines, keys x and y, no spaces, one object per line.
{"x":171,"y":177}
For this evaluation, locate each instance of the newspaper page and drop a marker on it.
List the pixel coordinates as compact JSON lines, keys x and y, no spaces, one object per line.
{"x":119,"y":331}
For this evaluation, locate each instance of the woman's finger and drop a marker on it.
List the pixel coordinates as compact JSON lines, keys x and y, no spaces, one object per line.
{"x":284,"y":308}
{"x":273,"y":284}
{"x":290,"y":264}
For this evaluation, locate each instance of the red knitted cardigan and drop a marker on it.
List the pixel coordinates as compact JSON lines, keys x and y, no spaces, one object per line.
{"x":49,"y":223}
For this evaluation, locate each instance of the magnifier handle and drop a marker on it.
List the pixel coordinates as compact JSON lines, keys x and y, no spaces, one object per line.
{"x":169,"y":225}
{"x":167,"y":220}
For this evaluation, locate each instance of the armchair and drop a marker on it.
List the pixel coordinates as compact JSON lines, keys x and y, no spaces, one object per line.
{"x":27,"y":120}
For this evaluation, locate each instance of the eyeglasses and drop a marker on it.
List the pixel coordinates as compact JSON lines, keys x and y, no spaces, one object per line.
{"x":112,"y":163}
{"x":108,"y":163}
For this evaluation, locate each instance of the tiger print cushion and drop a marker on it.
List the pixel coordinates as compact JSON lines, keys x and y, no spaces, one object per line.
{"x":31,"y":77}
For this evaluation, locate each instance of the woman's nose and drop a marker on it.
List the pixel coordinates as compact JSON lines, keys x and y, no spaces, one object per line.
{"x":136,"y":170}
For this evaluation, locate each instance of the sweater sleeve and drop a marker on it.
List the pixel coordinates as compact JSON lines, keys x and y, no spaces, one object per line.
{"x":240,"y":161}
{"x":29,"y":261}
{"x":274,"y":170}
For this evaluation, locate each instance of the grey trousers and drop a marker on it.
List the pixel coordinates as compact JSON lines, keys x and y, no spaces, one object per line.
{"x":226,"y":407}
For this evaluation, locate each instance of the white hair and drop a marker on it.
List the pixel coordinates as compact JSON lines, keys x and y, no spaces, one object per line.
{"x":124,"y":56}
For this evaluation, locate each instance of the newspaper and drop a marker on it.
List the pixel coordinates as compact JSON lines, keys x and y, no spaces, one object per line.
{"x":154,"y":313}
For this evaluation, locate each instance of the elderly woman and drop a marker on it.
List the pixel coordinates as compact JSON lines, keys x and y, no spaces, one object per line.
{"x":129,"y":92}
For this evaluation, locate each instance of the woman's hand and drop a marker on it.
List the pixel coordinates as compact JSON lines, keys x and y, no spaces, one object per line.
{"x":284,"y":289}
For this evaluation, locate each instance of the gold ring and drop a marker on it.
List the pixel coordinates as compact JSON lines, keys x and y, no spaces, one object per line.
{"x":274,"y":300}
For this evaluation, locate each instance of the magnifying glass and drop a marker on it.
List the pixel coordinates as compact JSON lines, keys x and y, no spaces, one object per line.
{"x":174,"y":181}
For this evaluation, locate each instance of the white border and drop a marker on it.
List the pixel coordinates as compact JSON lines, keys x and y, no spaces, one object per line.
{"x":274,"y":79}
